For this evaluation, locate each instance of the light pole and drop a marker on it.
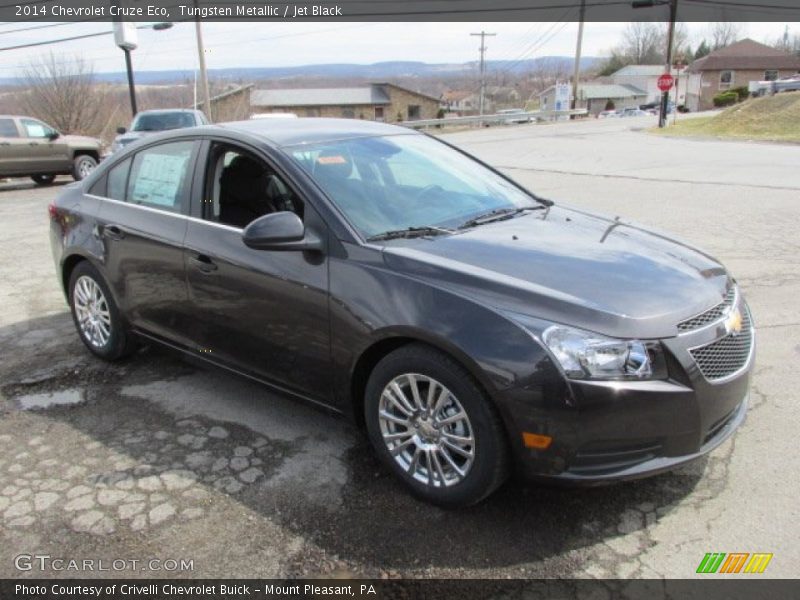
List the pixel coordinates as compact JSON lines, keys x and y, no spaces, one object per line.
{"x":125,"y":36}
{"x":202,"y":63}
{"x":673,"y":11}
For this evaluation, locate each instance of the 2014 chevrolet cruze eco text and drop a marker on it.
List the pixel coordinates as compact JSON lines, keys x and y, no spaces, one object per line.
{"x":468,"y":325}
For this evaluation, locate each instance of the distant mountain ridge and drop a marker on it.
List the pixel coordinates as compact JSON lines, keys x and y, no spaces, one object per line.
{"x":376,"y":71}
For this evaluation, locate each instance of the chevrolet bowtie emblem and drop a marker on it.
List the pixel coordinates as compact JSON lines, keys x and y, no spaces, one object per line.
{"x":733,"y":323}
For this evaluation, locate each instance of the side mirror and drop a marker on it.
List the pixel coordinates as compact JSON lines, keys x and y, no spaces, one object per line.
{"x":280,"y":231}
{"x":121,"y":130}
{"x":53,"y":136}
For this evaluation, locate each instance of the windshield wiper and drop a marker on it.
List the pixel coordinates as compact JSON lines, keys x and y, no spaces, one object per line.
{"x":497,"y":214}
{"x":409,"y":232}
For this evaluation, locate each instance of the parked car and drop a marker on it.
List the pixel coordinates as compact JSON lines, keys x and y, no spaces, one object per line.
{"x":515,"y":115}
{"x":274,"y":115}
{"x":470,"y":326}
{"x":634,"y":112}
{"x":32,"y":148}
{"x":608,"y":114}
{"x":149,"y":122}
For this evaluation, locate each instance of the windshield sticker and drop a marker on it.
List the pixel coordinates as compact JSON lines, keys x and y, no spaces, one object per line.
{"x":331,"y":160}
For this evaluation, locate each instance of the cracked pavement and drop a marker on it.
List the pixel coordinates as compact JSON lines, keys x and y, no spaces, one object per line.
{"x":162,"y":457}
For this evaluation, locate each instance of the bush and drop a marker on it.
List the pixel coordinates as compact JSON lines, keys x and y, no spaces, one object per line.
{"x":725,"y":99}
{"x":610,"y":105}
{"x":742,"y":92}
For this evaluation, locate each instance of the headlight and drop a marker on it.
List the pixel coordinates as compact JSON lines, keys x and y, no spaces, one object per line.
{"x":586,"y":355}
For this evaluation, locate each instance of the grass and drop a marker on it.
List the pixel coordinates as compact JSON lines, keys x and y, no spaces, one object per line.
{"x":772,"y":118}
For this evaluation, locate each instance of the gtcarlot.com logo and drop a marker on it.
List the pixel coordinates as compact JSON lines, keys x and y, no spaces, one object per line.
{"x":734,"y":562}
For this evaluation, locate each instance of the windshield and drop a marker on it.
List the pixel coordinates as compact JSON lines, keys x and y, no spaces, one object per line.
{"x":384,"y":184}
{"x":162,"y":121}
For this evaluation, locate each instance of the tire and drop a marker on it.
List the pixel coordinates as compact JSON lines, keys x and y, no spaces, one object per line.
{"x":102,"y":328}
{"x":82,"y":166}
{"x":43,"y":179}
{"x":426,"y":433}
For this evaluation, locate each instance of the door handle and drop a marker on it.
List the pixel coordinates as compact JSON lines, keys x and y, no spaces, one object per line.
{"x":113,"y":232}
{"x":203,"y":262}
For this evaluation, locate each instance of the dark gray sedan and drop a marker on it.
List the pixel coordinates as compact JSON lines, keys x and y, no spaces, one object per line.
{"x":468,"y":325}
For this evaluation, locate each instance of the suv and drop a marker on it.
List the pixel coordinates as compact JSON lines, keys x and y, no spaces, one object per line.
{"x":150,"y":121}
{"x":31,"y":148}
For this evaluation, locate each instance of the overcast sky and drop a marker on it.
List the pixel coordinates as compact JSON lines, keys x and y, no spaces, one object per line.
{"x":293,"y":44}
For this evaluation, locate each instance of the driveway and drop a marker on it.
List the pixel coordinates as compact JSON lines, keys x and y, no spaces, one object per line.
{"x":160,"y":458}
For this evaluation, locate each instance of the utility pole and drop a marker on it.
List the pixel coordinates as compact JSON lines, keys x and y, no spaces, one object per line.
{"x":673,"y":13}
{"x":483,"y":36}
{"x":577,"y":71}
{"x":203,"y":73}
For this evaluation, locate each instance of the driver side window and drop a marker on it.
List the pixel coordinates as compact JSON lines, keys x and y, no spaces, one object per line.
{"x":240,"y":187}
{"x":36,"y":129}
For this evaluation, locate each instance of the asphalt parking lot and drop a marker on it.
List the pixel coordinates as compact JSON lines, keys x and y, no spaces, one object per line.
{"x":156,"y":457}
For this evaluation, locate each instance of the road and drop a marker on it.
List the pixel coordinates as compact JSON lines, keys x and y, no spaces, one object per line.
{"x":160,"y":458}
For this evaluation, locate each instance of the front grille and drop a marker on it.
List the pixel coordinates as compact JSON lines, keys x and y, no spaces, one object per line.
{"x":711,"y":315}
{"x":727,"y":355}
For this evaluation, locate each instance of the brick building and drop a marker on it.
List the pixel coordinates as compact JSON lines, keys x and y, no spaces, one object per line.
{"x":735,"y":66}
{"x":374,"y":102}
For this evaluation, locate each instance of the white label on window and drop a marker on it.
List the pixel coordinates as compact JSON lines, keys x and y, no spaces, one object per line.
{"x":159,"y":178}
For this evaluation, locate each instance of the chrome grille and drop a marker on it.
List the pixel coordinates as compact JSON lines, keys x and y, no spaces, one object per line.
{"x":727,"y":355}
{"x":711,"y":315}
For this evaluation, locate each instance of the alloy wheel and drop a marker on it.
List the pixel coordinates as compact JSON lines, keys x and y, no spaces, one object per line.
{"x":426,"y":430}
{"x":84,"y":168}
{"x":92,"y":311}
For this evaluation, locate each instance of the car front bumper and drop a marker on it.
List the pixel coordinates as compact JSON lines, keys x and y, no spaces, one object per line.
{"x":604,"y":431}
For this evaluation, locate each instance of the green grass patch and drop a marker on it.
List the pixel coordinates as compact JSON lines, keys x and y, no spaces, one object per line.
{"x":775,"y":118}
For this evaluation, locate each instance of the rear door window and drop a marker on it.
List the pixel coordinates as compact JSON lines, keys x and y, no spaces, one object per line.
{"x":8,"y":128}
{"x":118,"y":180}
{"x":160,"y":176}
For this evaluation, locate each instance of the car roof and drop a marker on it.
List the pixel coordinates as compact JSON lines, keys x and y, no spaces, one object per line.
{"x":310,"y":130}
{"x":161,"y":111}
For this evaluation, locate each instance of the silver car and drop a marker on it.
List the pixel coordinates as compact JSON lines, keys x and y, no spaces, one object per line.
{"x":148,"y":122}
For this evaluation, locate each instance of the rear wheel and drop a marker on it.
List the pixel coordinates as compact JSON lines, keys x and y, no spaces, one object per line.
{"x":43,"y":179}
{"x":95,"y":314}
{"x":82,"y":166}
{"x":434,"y":427}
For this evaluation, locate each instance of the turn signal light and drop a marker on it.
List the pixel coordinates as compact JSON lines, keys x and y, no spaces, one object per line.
{"x":536,"y":441}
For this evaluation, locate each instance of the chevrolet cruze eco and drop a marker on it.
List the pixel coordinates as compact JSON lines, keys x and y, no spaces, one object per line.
{"x":470,"y":327}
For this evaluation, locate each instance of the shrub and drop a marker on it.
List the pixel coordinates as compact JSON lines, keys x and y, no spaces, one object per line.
{"x":725,"y":99}
{"x":610,"y":105}
{"x":742,"y":92}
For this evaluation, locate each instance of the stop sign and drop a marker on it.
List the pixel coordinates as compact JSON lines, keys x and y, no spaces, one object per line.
{"x":665,"y":82}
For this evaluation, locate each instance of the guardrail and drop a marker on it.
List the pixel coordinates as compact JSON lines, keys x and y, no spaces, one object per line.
{"x":497,"y":118}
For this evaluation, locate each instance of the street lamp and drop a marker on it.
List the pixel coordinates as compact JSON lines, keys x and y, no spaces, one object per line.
{"x":673,"y":11}
{"x":125,"y":36}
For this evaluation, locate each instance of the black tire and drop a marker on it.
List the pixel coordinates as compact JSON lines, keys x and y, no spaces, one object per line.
{"x":82,"y":166}
{"x":490,"y":466}
{"x":119,"y":342}
{"x":43,"y":179}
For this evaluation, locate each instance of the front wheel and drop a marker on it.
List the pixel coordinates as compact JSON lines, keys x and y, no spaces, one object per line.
{"x":95,"y":314}
{"x":434,"y":427}
{"x":82,"y":166}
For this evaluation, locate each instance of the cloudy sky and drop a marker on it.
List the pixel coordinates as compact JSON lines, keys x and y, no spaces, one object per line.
{"x":293,"y":44}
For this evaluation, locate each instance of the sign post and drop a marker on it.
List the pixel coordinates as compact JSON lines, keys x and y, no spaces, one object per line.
{"x":665,"y":83}
{"x":125,"y":37}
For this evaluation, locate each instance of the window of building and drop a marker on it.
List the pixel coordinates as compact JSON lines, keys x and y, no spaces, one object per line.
{"x":725,"y":79}
{"x":312,"y":112}
{"x":413,"y":112}
{"x":159,"y":176}
{"x":8,"y":128}
{"x":379,"y":113}
{"x":348,"y":113}
{"x":771,"y":75}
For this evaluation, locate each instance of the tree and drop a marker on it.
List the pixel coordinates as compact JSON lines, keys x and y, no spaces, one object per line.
{"x":63,"y":93}
{"x":788,"y":42}
{"x":724,"y":33}
{"x":702,"y":50}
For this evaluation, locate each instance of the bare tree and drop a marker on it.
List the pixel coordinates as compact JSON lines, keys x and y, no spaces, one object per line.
{"x":643,"y":43}
{"x":724,"y":33}
{"x":63,"y":93}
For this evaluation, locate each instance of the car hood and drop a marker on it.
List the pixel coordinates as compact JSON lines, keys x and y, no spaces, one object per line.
{"x":568,"y":266}
{"x":132,"y":136}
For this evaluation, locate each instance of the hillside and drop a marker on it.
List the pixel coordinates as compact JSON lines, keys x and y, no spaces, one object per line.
{"x":772,"y":118}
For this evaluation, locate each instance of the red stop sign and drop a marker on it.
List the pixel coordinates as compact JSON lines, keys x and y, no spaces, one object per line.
{"x":665,"y":82}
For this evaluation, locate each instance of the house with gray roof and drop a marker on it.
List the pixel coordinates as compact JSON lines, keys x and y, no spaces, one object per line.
{"x":645,"y":77}
{"x":596,"y":96}
{"x":373,"y":102}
